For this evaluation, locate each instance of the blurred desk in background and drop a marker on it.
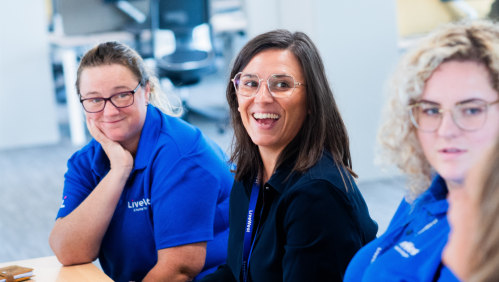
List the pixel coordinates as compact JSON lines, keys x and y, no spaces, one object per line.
{"x":49,"y":269}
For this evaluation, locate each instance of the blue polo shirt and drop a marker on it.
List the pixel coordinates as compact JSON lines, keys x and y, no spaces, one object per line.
{"x":177,"y":194}
{"x":411,"y":248}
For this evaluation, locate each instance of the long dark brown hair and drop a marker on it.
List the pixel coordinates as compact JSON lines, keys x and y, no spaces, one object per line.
{"x":323,"y":128}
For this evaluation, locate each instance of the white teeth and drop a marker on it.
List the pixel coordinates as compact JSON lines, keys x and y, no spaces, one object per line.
{"x":265,"y":116}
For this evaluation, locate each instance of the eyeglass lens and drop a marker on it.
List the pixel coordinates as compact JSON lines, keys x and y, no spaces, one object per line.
{"x":468,"y":116}
{"x":279,"y":85}
{"x":120,"y":100}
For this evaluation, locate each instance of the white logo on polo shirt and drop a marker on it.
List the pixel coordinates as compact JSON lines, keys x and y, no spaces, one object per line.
{"x":139,"y":205}
{"x":406,"y":248}
{"x":62,"y":204}
{"x":428,"y":226}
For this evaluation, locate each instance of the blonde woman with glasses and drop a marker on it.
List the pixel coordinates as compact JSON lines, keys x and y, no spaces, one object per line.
{"x":442,"y":114}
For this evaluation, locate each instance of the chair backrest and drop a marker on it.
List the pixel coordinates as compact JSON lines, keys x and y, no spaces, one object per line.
{"x":182,"y":39}
{"x":180,"y":16}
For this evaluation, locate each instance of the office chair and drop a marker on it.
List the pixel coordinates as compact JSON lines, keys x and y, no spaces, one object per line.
{"x":186,"y":23}
{"x":183,"y":49}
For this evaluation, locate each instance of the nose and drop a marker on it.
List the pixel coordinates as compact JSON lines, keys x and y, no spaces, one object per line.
{"x":448,"y":127}
{"x":110,"y":109}
{"x":263,"y":95}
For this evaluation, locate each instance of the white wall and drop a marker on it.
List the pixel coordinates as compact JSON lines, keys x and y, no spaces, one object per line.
{"x":27,"y":99}
{"x":358,"y":43}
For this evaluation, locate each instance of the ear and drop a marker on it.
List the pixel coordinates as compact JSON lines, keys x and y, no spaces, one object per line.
{"x":238,"y":109}
{"x":147,"y":92}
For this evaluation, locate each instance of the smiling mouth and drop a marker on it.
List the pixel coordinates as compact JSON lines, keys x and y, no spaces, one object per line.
{"x":114,"y":121}
{"x":451,"y":151}
{"x":266,"y":118}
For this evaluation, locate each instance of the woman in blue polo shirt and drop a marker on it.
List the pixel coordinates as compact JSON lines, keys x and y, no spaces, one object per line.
{"x":442,"y":115}
{"x":148,"y":195}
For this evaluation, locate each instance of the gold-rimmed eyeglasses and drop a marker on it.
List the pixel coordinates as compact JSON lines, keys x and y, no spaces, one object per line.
{"x":468,"y":115}
{"x":279,"y":85}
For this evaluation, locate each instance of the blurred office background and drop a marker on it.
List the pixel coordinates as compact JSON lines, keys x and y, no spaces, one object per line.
{"x":190,"y":43}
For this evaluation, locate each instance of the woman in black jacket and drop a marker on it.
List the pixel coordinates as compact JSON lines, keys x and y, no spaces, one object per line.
{"x":295,"y":211}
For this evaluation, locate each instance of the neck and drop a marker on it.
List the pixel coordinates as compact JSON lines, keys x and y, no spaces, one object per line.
{"x":269,"y":159}
{"x":454,"y":184}
{"x":131,"y":145}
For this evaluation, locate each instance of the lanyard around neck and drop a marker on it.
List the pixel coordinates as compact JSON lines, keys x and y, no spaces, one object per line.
{"x":250,"y":222}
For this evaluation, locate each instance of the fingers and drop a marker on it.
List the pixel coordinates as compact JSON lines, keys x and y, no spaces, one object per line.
{"x":96,"y":132}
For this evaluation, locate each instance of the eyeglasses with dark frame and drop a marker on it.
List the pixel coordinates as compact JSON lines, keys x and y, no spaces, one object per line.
{"x":468,"y":115}
{"x":279,"y":85}
{"x":119,"y":100}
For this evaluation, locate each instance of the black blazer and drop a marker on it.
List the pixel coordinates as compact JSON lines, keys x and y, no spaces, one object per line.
{"x":311,"y":226}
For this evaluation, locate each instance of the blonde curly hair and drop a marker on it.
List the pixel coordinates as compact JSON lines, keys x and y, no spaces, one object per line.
{"x":476,"y":41}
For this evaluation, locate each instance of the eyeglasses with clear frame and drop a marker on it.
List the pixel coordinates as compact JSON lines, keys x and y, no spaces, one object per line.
{"x":279,"y":85}
{"x":469,"y":115}
{"x":119,"y":100}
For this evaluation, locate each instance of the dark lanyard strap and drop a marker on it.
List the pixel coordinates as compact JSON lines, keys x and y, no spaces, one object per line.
{"x":248,"y":245}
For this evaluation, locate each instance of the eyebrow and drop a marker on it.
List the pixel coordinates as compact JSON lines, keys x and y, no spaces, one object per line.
{"x":276,"y":75}
{"x":460,"y":102}
{"x":429,"y":102}
{"x":466,"y":101}
{"x":114,"y":89}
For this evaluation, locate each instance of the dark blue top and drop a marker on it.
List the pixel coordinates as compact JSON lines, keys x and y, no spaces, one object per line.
{"x":177,"y":194}
{"x":411,"y":248}
{"x":310,"y":228}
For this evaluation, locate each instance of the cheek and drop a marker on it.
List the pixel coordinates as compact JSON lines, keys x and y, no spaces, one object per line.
{"x":488,"y":135}
{"x":298,"y":119}
{"x":134,"y":116}
{"x":481,"y":141}
{"x":427,"y":142}
{"x":425,"y":139}
{"x":297,"y":110}
{"x":243,"y":107}
{"x":95,"y":117}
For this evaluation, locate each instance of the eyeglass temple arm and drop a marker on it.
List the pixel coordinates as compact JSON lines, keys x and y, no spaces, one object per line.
{"x":413,"y":106}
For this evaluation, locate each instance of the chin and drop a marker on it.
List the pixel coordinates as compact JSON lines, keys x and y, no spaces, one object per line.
{"x":263,"y":142}
{"x":116,"y":136}
{"x":452,"y":174}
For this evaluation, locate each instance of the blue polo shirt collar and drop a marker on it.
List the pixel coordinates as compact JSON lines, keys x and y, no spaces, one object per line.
{"x":434,"y":200}
{"x":148,"y":139}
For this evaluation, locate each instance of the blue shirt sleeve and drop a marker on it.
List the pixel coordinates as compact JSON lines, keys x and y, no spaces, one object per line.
{"x":183,"y":202}
{"x":361,"y":261}
{"x":78,"y":184}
